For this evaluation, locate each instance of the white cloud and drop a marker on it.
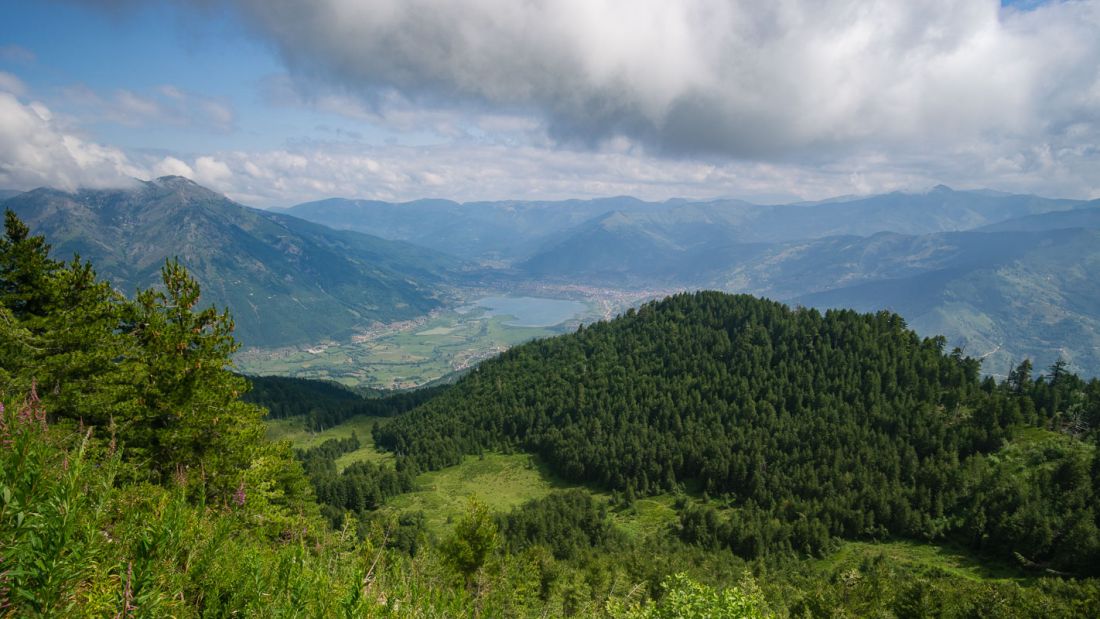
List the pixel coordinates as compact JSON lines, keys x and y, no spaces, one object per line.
{"x":170,"y":166}
{"x":695,"y":98}
{"x":213,"y":172}
{"x":36,"y":150}
{"x":12,"y":84}
{"x":743,"y":78}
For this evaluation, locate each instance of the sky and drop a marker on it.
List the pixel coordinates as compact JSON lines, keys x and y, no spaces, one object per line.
{"x":277,"y":102}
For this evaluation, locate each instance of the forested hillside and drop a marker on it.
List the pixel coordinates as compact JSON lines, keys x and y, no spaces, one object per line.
{"x":811,"y":426}
{"x":324,"y":404}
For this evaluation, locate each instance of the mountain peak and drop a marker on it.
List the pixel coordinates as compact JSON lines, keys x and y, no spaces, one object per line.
{"x":174,"y":181}
{"x":185,"y":188}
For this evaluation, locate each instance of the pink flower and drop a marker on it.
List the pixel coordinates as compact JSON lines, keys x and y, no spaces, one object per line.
{"x":32,"y":411}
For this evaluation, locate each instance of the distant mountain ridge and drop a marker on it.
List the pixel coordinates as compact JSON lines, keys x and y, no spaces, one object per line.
{"x":285,"y":279}
{"x":534,"y":231}
{"x":1000,"y":296}
{"x":486,"y":230}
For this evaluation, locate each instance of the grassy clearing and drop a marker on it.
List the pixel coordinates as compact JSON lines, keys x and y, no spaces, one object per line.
{"x":916,"y":557}
{"x":293,"y":429}
{"x":504,"y":482}
{"x":498,"y":480}
{"x":646,"y":517}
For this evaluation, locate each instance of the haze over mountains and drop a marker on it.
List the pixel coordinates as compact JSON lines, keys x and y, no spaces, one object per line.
{"x":1002,"y":276}
{"x":530,"y":230}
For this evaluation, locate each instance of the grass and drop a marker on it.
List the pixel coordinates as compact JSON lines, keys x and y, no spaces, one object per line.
{"x":646,"y":517}
{"x":915,"y":557}
{"x":294,"y":430}
{"x":501,"y":481}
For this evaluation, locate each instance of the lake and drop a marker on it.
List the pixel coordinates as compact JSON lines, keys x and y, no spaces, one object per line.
{"x":532,"y":311}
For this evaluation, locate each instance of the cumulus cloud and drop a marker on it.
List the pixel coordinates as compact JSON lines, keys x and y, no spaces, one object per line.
{"x":701,"y":77}
{"x":694,"y":98}
{"x":170,"y":166}
{"x":483,"y":170}
{"x":36,"y":149}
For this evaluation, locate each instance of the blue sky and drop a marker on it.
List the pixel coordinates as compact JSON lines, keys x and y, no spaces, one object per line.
{"x":279,"y":101}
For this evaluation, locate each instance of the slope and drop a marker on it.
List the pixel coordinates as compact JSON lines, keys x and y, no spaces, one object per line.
{"x":284,"y":279}
{"x":1028,"y":295}
{"x":1084,"y":216}
{"x":1007,"y":291}
{"x":689,"y":243}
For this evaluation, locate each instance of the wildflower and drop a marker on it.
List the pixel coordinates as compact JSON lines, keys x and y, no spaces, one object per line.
{"x":32,"y":411}
{"x":239,"y":496}
{"x":5,"y":432}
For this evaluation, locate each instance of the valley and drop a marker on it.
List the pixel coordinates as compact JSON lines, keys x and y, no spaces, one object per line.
{"x":445,"y":342}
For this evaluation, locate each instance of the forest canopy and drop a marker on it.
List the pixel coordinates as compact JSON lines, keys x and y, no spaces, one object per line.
{"x":809,"y":426}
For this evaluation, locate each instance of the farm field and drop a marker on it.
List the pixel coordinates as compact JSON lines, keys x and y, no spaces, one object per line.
{"x":416,"y":352}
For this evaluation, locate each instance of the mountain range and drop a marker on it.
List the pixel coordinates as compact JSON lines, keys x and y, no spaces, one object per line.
{"x":487,"y":231}
{"x":285,"y":279}
{"x":536,"y":231}
{"x":1002,"y":276}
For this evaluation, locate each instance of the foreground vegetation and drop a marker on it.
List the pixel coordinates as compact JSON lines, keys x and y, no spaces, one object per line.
{"x":135,"y":482}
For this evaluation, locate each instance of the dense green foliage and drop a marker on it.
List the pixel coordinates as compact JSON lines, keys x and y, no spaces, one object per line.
{"x":284,"y":396}
{"x":77,"y":540}
{"x":569,"y":523}
{"x":151,"y":373}
{"x":325,"y":404}
{"x":361,"y":487}
{"x":810,"y":426}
